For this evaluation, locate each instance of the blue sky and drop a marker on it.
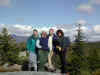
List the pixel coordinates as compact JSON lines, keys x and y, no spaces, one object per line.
{"x":19,"y":16}
{"x":46,"y":12}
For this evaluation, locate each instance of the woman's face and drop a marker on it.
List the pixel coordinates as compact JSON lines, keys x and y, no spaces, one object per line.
{"x":51,"y":31}
{"x":59,"y":34}
{"x":43,"y":35}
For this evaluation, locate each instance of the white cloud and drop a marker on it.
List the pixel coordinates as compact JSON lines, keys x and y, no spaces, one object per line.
{"x":97,"y":29}
{"x":85,"y":8}
{"x":89,"y":7}
{"x":26,"y":30}
{"x":96,"y":2}
{"x":81,"y":21}
{"x":20,"y":30}
{"x":6,"y":3}
{"x":23,"y":27}
{"x":92,"y":34}
{"x":85,"y":29}
{"x":2,"y":25}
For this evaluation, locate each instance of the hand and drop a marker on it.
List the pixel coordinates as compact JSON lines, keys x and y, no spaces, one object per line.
{"x":59,"y":48}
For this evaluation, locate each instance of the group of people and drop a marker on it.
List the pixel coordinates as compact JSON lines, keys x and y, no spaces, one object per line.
{"x":41,"y":49}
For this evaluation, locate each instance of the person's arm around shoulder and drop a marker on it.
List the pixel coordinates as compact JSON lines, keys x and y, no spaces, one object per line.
{"x":38,"y":44}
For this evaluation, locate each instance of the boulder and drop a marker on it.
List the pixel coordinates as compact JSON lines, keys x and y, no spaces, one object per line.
{"x":10,"y":68}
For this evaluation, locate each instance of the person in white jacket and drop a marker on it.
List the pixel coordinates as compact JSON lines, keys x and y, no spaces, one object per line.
{"x":51,"y":38}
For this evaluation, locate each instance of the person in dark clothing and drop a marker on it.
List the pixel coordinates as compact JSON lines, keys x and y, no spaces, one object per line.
{"x":42,"y":45}
{"x":61,"y":44}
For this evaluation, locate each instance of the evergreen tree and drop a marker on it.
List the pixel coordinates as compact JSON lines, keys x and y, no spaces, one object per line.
{"x":79,"y":40}
{"x":79,"y":64}
{"x":9,"y":50}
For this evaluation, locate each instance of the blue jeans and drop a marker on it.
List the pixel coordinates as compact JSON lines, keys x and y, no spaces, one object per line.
{"x":32,"y":61}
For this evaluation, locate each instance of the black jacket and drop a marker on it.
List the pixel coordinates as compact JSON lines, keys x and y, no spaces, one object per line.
{"x":63,"y":42}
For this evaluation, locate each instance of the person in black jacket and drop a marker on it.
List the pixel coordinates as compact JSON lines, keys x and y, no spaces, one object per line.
{"x":61,"y":44}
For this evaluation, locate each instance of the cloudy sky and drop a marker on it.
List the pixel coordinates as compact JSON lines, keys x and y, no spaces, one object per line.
{"x":21,"y":16}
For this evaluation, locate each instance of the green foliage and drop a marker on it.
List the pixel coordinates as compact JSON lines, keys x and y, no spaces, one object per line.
{"x":82,"y":58}
{"x":56,"y":60}
{"x":78,"y":63}
{"x":9,"y":49}
{"x":96,"y":72}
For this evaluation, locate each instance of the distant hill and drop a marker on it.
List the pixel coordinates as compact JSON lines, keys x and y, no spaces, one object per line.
{"x":24,"y":39}
{"x":19,"y":38}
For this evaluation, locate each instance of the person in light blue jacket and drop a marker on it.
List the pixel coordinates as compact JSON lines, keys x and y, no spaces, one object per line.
{"x":31,"y":48}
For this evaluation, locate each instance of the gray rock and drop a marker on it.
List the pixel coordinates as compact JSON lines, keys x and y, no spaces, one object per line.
{"x":29,"y":73}
{"x":5,"y":66}
{"x":22,"y":54}
{"x":14,"y":67}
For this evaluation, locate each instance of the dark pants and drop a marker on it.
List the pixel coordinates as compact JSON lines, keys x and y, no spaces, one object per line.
{"x":43,"y":59}
{"x":62,"y":55}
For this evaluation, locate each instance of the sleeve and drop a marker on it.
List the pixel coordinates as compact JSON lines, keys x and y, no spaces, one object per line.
{"x":28,"y":44}
{"x":38,"y":44}
{"x":55,"y":41}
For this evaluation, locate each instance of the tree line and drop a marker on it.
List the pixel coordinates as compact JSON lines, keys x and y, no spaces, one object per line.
{"x":82,"y":58}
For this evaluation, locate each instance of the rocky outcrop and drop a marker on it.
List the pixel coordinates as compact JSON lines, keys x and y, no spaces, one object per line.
{"x":10,"y":68}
